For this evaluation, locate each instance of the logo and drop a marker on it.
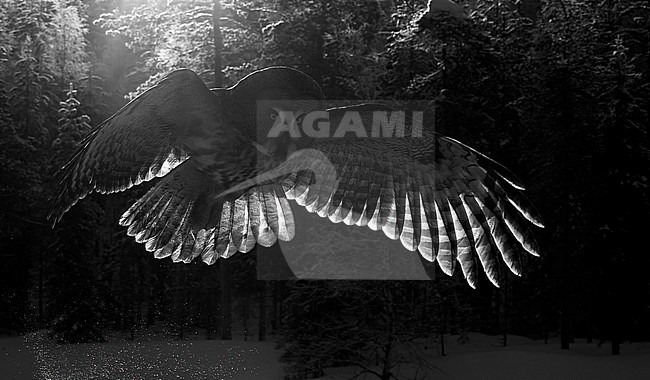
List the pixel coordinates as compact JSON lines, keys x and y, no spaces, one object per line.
{"x":378,"y":123}
{"x":366,"y":120}
{"x":331,"y":239}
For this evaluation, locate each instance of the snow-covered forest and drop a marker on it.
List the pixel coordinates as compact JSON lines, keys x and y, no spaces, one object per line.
{"x":558,"y":91}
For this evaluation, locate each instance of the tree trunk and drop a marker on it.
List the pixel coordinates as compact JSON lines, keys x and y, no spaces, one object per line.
{"x":218,"y":43}
{"x":246,"y":316}
{"x":262,"y":312}
{"x":504,"y":310}
{"x":41,"y":294}
{"x":211,"y":313}
{"x":275,"y":307}
{"x":386,"y":373}
{"x":179,"y":302}
{"x":453,"y":316}
{"x":565,"y":329}
{"x":226,"y":299}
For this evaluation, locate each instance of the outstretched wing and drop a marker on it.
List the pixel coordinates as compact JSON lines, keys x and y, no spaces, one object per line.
{"x":435,"y":194}
{"x":182,"y":217}
{"x":145,"y":139}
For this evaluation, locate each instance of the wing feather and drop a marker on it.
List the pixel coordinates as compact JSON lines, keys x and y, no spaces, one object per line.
{"x":146,"y":139}
{"x":181,"y":217}
{"x":435,"y":194}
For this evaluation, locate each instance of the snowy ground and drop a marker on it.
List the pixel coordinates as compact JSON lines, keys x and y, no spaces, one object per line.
{"x":481,"y":358}
{"x":34,"y":357}
{"x":484,"y":358}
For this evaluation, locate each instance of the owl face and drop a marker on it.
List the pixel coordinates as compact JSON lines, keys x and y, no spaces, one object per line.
{"x":278,"y":117}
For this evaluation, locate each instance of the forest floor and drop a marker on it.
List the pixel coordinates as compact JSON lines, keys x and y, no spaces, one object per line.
{"x":153,"y":357}
{"x":484,"y":357}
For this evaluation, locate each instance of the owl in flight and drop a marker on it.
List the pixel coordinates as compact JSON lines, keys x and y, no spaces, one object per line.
{"x":227,"y":179}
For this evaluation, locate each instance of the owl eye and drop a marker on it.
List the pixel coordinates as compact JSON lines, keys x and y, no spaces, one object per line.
{"x":273,"y":116}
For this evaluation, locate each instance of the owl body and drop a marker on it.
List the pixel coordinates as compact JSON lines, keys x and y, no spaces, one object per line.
{"x":228,"y":178}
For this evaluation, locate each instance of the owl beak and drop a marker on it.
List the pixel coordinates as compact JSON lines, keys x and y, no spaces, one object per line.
{"x":279,"y":144}
{"x":276,"y":145}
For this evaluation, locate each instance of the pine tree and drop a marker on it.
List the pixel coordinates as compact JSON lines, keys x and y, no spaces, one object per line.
{"x":75,"y":309}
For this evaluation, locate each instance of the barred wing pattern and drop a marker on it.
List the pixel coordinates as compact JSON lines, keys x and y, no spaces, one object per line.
{"x":182,"y":218}
{"x":435,"y":194}
{"x":141,"y":141}
{"x":198,"y":140}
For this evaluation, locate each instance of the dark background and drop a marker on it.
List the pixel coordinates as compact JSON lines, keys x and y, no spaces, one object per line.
{"x":556,"y":91}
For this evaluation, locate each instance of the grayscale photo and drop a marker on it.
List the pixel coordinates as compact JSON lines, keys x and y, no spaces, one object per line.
{"x":324,"y":189}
